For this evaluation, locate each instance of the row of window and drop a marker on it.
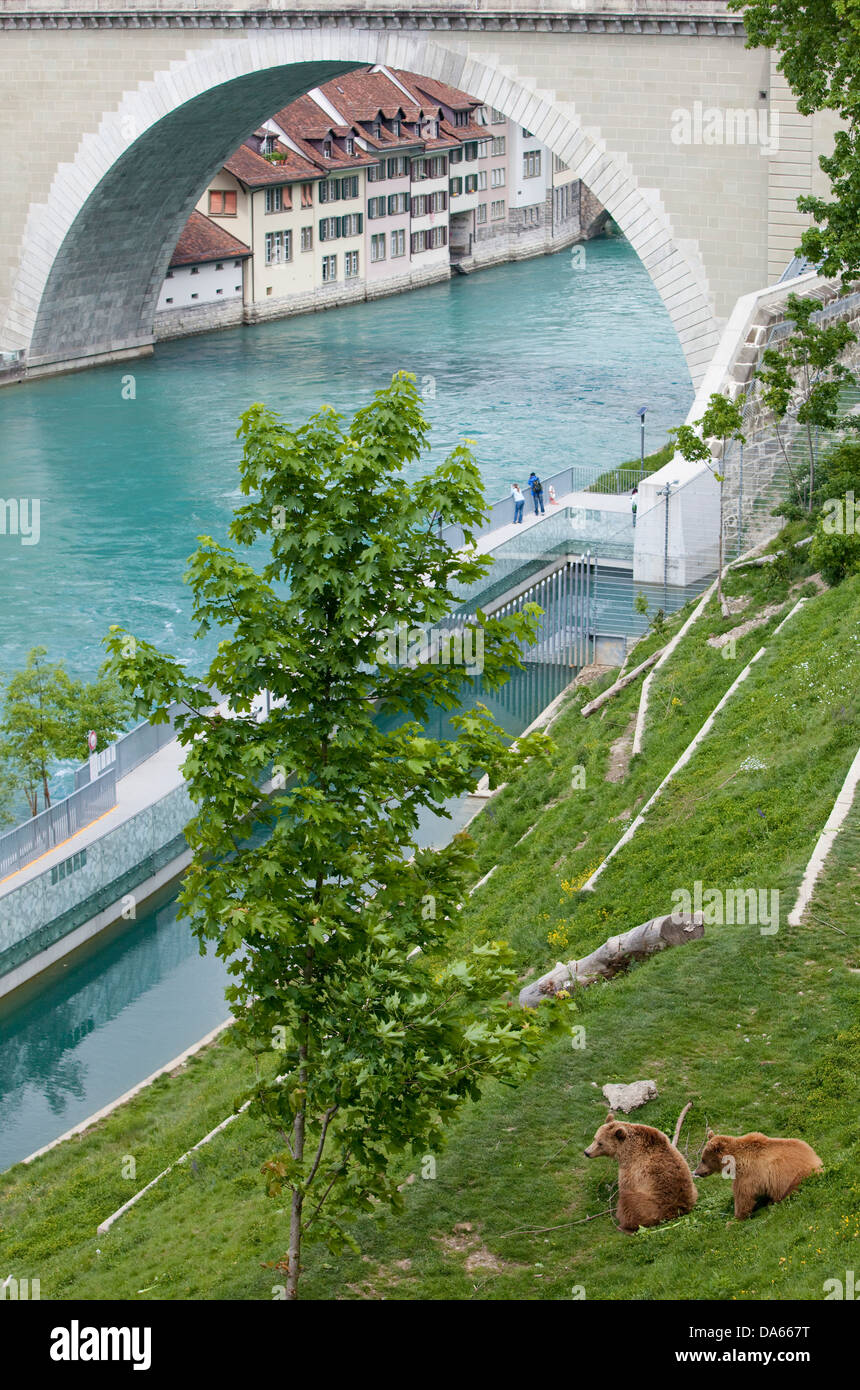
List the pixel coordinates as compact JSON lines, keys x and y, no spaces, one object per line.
{"x":331,"y":190}
{"x":350,"y":267}
{"x":395,"y":168}
{"x":382,"y":207}
{"x":432,"y":167}
{"x":397,"y":243}
{"x":430,"y":240}
{"x":477,"y":183}
{"x":331,"y":228}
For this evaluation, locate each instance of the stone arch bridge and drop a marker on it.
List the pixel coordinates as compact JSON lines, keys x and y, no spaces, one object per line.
{"x":116,"y":113}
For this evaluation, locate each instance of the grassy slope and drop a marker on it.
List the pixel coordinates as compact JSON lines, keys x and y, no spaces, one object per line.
{"x":759,"y":1030}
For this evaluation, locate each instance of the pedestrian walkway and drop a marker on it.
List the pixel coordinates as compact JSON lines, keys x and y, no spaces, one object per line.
{"x":585,"y":501}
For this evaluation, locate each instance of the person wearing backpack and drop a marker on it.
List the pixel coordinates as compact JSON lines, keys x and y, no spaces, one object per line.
{"x":537,"y":491}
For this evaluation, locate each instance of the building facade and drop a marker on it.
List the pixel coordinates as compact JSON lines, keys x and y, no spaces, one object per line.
{"x":377,"y":182}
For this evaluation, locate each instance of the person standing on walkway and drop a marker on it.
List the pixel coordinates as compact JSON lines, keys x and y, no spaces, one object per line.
{"x":553,"y":500}
{"x":634,"y":504}
{"x":519,"y":502}
{"x":537,"y":491}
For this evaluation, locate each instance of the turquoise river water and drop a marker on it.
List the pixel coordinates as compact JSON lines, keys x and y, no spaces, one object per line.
{"x":540,"y":363}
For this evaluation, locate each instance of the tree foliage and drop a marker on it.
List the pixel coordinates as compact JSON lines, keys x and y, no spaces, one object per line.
{"x":46,"y":716}
{"x":333,"y":921}
{"x":819,"y":46}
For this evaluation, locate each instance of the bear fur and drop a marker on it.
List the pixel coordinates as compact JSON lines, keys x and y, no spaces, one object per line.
{"x":654,"y":1182}
{"x":760,"y":1167}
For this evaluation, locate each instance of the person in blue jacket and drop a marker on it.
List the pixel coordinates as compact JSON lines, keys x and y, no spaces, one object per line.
{"x":536,"y":490}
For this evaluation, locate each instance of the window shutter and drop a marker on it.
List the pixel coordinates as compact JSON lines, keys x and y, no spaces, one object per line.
{"x":323,"y":236}
{"x":361,"y":222}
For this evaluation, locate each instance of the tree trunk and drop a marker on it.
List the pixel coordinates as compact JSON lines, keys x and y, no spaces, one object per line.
{"x":621,"y":684}
{"x":615,"y":955}
{"x":295,"y":1253}
{"x":45,"y":792}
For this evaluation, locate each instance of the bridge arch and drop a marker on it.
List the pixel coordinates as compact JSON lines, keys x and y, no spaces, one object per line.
{"x":94,"y":255}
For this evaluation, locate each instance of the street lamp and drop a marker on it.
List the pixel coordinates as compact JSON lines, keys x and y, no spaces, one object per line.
{"x":641,"y":413}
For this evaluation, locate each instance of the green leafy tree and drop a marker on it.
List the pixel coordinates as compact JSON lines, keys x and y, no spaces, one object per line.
{"x":722,"y":421}
{"x":46,"y":716}
{"x":804,"y":375}
{"x":29,"y":725}
{"x":335,"y":925}
{"x":819,"y":46}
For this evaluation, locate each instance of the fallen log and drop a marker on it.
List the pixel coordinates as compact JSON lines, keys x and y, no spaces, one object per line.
{"x":621,"y":683}
{"x":615,"y":955}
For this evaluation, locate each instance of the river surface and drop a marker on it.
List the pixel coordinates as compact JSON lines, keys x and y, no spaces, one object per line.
{"x":539,"y":363}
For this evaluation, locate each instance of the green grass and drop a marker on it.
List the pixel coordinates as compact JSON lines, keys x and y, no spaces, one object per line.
{"x":607,"y":481}
{"x":759,"y":1031}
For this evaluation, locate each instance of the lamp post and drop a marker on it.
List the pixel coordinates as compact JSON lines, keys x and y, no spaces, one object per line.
{"x":641,"y":413}
{"x":665,"y":492}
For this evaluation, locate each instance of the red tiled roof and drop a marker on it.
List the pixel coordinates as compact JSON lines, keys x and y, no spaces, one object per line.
{"x":437,"y":91}
{"x":203,"y":240}
{"x":362,"y":95}
{"x":308,"y":130}
{"x":256,"y":172}
{"x":470,"y":131}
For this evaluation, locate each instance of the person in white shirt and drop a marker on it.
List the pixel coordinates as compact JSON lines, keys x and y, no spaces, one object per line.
{"x":519,"y":501}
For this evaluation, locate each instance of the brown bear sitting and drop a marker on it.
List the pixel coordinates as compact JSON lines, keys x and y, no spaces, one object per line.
{"x":654,"y":1182}
{"x":760,"y":1167}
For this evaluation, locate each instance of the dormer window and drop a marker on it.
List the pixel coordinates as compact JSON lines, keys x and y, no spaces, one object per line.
{"x":395,"y":126}
{"x":433,"y":129}
{"x":376,"y":130}
{"x":327,"y":149}
{"x":349,"y":145}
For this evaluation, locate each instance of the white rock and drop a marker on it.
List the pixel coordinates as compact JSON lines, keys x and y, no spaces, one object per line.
{"x":627,"y":1098}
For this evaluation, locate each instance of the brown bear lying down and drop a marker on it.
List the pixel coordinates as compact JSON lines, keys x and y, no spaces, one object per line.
{"x":761,"y":1167}
{"x":654,"y":1182}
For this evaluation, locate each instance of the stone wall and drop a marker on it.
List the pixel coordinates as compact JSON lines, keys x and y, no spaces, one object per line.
{"x":42,"y":913}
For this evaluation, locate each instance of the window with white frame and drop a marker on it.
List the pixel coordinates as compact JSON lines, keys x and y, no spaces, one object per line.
{"x":497,"y":210}
{"x":376,"y":207}
{"x":499,"y":144}
{"x":350,"y":265}
{"x":483,"y":149}
{"x":275,"y":200}
{"x":307,"y":238}
{"x":482,"y":180}
{"x":376,"y":173}
{"x":497,"y":177}
{"x":398,"y":203}
{"x":398,"y":167}
{"x":456,"y":156}
{"x":531,"y":164}
{"x":329,"y":269}
{"x":352,"y":225}
{"x":279,"y":247}
{"x":481,"y":214}
{"x":377,"y":247}
{"x":398,"y":242}
{"x":497,"y":117}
